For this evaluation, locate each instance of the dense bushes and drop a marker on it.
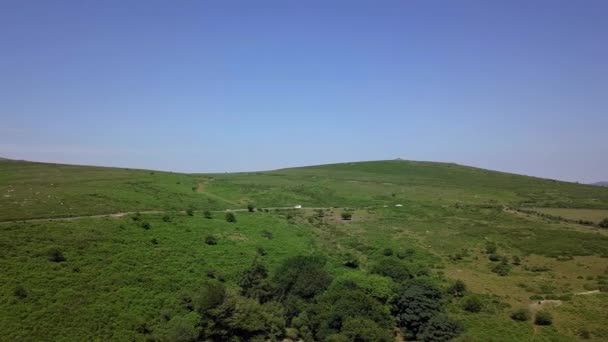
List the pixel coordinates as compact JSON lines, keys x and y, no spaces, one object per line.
{"x":300,"y":301}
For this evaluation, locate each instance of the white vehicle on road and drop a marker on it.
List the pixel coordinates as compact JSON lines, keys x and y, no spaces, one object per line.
{"x":298,"y":206}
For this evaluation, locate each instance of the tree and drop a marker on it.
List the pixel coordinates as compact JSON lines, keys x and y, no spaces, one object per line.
{"x":254,"y":283}
{"x":207,"y":214}
{"x":543,"y":318}
{"x":365,"y":330}
{"x":230,"y":217}
{"x":604,"y":223}
{"x":347,"y":215}
{"x":244,"y":319}
{"x":458,"y":288}
{"x":250,"y":207}
{"x":415,"y":304}
{"x":183,"y":328}
{"x":520,"y":315}
{"x":440,"y":328}
{"x":302,"y":276}
{"x":472,"y":304}
{"x":392,"y":268}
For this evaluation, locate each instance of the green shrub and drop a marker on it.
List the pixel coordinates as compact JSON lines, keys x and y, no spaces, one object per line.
{"x":472,"y":304}
{"x":392,"y":268}
{"x":457,"y":289}
{"x":543,"y":318}
{"x":250,"y":208}
{"x":440,"y":328}
{"x":211,"y":240}
{"x":230,"y":217}
{"x":55,"y":255}
{"x":207,"y":214}
{"x":494,"y":257}
{"x":520,"y":315}
{"x":267,"y":234}
{"x":491,"y":248}
{"x":146,"y":225}
{"x":190,"y":212}
{"x":604,"y":223}
{"x":387,"y":252}
{"x":167,"y":218}
{"x":347,"y":215}
{"x":301,"y":276}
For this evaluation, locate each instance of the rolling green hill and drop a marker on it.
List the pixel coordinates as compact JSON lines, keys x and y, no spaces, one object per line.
{"x":167,"y":274}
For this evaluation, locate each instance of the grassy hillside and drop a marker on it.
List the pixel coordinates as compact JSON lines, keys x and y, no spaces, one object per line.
{"x":142,"y":277}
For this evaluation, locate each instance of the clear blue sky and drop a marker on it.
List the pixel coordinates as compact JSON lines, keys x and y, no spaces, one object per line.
{"x":519,"y":86}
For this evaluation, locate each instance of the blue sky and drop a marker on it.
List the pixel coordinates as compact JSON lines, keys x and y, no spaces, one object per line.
{"x":518,"y":86}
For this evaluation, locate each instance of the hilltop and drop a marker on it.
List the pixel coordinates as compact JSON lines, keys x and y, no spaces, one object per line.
{"x":173,"y":265}
{"x":37,"y":190}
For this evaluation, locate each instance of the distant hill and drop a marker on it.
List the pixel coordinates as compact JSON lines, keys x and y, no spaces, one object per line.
{"x":600,"y":183}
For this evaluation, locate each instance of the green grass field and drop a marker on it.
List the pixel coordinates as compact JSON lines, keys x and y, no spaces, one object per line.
{"x":122,"y":280}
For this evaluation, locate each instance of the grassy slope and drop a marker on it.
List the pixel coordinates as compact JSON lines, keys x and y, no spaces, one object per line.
{"x":115,"y":277}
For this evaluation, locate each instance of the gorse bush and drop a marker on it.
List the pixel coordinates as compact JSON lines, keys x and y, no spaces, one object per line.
{"x":472,"y":304}
{"x":211,"y":240}
{"x":520,"y":315}
{"x":457,"y":289}
{"x":230,"y":217}
{"x":543,"y":318}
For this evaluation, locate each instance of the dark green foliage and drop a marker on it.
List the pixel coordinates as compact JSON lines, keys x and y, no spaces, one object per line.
{"x":302,"y":276}
{"x":503,"y":268}
{"x":457,"y":289}
{"x":520,"y":315}
{"x":250,"y":207}
{"x":350,"y":261}
{"x":346,"y":215}
{"x":387,"y":252}
{"x":154,"y":241}
{"x":472,"y":304}
{"x":344,"y":302}
{"x":207,"y":214}
{"x":604,"y":223}
{"x":20,"y":292}
{"x":365,"y":330}
{"x":254,"y":283}
{"x":494,"y":257}
{"x":440,"y":328}
{"x":543,"y":318}
{"x":260,"y":251}
{"x":167,"y":218}
{"x":146,"y":225}
{"x":190,"y":212}
{"x":183,"y":328}
{"x":211,"y":240}
{"x":392,"y":268}
{"x":230,"y":217}
{"x":210,"y":296}
{"x":415,"y":304}
{"x":56,"y":255}
{"x":243,"y":319}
